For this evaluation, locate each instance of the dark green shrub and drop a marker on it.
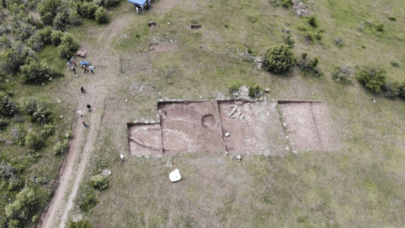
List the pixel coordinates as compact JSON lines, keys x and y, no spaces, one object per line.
{"x":89,"y":202}
{"x":40,"y":39}
{"x":56,"y":37}
{"x":278,"y":58}
{"x":14,"y":223}
{"x":14,"y":57}
{"x":74,"y":18}
{"x":34,"y":141}
{"x":252,"y":19}
{"x":5,"y":43}
{"x":342,"y":73}
{"x":286,"y":3}
{"x":79,"y":224}
{"x":15,"y":185}
{"x":39,"y":112}
{"x":101,"y":15}
{"x":35,"y":72}
{"x":391,"y":89}
{"x":313,"y":21}
{"x":48,"y":130}
{"x":372,"y":78}
{"x":61,"y":21}
{"x":392,"y":18}
{"x":289,"y":40}
{"x":61,"y":147}
{"x":7,"y":106}
{"x":23,"y":31}
{"x":3,"y":123}
{"x":99,"y":181}
{"x":394,"y":63}
{"x":22,"y":206}
{"x":310,"y":37}
{"x":111,"y":3}
{"x":87,"y":10}
{"x":19,"y":135}
{"x":7,"y":171}
{"x":70,"y":42}
{"x":47,"y":18}
{"x":255,"y":91}
{"x":64,"y":52}
{"x":48,"y":9}
{"x":309,"y":66}
{"x":380,"y":27}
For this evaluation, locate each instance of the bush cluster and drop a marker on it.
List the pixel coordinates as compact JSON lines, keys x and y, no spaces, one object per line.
{"x":35,"y":72}
{"x":34,"y":141}
{"x":61,"y":147}
{"x":372,"y":78}
{"x":48,"y":130}
{"x":22,"y":206}
{"x":79,"y":224}
{"x":278,"y":58}
{"x":309,"y":65}
{"x":99,"y":181}
{"x":88,"y":202}
{"x":39,"y":112}
{"x":7,"y":106}
{"x":342,"y":73}
{"x":101,"y":16}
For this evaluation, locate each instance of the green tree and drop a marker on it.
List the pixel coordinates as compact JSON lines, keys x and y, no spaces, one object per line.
{"x":34,"y":141}
{"x":14,"y":57}
{"x":99,"y":181}
{"x":61,"y":147}
{"x":278,"y":58}
{"x":7,"y":106}
{"x":56,"y":37}
{"x":35,"y":72}
{"x":87,"y":10}
{"x":372,"y":78}
{"x":22,"y":206}
{"x":61,"y":21}
{"x":101,"y":15}
{"x":48,"y":9}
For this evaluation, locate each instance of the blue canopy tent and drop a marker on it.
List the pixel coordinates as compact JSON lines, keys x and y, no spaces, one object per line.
{"x":141,"y":4}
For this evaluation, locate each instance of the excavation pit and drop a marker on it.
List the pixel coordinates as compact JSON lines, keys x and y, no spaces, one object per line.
{"x":210,"y":126}
{"x":306,"y":123}
{"x":195,"y":27}
{"x":152,"y":24}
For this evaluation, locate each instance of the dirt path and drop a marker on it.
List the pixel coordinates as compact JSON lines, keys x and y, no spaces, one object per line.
{"x":79,"y":154}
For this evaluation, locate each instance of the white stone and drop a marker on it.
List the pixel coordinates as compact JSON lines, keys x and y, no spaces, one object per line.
{"x":226,"y":134}
{"x":122,"y":157}
{"x":175,"y":176}
{"x":238,"y":157}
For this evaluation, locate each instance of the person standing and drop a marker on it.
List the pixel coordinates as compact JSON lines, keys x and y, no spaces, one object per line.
{"x":89,"y":107}
{"x":73,"y":69}
{"x":91,"y":69}
{"x":84,"y":123}
{"x":82,"y":89}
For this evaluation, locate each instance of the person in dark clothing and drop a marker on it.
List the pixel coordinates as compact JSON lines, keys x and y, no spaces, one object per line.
{"x":82,"y":89}
{"x":89,"y":107}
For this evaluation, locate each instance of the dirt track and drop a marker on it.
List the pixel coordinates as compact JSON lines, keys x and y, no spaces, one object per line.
{"x":78,"y":156}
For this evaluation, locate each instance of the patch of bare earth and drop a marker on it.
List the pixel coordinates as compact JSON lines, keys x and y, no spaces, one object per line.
{"x":307,"y":125}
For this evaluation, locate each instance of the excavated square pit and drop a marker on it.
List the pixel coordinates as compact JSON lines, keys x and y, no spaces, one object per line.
{"x":210,"y":126}
{"x":307,"y":125}
{"x":191,"y":127}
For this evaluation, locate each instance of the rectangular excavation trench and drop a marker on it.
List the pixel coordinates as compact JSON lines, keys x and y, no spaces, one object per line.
{"x":306,"y":123}
{"x":209,"y":126}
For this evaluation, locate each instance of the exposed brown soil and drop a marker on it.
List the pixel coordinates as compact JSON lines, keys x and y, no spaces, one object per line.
{"x":144,"y":139}
{"x":307,"y":125}
{"x":209,"y":126}
{"x":191,"y":127}
{"x":247,"y":124}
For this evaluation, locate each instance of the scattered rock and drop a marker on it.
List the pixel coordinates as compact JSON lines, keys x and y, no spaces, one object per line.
{"x":106,"y":173}
{"x":175,"y":176}
{"x":267,"y":90}
{"x":238,"y":157}
{"x":227,"y":134}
